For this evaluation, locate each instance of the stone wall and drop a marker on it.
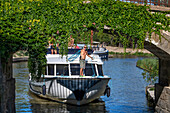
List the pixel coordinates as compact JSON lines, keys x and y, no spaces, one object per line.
{"x":162,"y":89}
{"x":163,"y":104}
{"x":161,"y":49}
{"x":7,"y":95}
{"x":164,"y":72}
{"x":7,"y":87}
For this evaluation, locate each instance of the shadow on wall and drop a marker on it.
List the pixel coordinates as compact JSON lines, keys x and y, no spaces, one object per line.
{"x":7,"y":96}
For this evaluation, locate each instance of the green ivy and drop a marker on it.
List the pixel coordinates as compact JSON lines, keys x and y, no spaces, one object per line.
{"x":28,"y":24}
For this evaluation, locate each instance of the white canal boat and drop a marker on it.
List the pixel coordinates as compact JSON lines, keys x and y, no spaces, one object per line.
{"x":62,"y":82}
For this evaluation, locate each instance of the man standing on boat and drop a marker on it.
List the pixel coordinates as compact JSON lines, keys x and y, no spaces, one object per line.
{"x":83,"y":54}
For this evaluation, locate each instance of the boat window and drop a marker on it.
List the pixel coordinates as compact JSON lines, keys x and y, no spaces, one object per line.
{"x":90,"y":70}
{"x":75,"y":69}
{"x":96,"y":48}
{"x":51,"y":69}
{"x":62,"y":70}
{"x":100,"y":71}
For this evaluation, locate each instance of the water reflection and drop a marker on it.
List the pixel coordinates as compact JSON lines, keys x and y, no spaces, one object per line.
{"x":127,"y":87}
{"x":127,"y":91}
{"x":39,"y":105}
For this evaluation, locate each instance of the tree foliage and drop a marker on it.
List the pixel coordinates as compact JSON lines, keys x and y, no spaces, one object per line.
{"x":151,"y":69}
{"x":28,"y":24}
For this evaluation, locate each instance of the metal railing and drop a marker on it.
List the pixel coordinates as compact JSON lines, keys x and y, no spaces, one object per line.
{"x":165,"y":3}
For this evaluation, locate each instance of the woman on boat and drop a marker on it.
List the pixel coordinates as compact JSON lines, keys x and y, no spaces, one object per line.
{"x":51,"y":43}
{"x":83,"y":54}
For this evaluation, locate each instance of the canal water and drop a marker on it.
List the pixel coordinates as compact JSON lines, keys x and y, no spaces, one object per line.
{"x":127,"y":91}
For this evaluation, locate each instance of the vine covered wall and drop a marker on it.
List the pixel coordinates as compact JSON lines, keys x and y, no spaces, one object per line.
{"x":28,"y":25}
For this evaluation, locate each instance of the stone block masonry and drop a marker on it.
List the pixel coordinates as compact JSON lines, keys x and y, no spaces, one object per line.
{"x":163,"y":104}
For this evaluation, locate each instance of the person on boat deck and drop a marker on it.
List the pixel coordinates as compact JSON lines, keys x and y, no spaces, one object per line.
{"x":71,"y":41}
{"x":51,"y":43}
{"x":83,"y":54}
{"x":76,"y":47}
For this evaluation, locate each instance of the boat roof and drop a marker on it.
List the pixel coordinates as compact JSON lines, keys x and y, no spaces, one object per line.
{"x":88,"y":45}
{"x":82,"y":45}
{"x":71,"y":59}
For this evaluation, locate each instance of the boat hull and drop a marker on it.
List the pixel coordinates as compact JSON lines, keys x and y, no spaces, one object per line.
{"x":77,"y":91}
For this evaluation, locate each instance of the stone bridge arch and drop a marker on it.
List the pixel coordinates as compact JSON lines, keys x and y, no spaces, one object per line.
{"x":161,"y":49}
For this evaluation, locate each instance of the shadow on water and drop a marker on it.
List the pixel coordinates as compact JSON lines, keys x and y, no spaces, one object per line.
{"x":39,"y":105}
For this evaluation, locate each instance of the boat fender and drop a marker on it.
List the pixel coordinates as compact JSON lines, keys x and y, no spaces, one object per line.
{"x":44,"y":89}
{"x":107,"y":91}
{"x":29,"y":76}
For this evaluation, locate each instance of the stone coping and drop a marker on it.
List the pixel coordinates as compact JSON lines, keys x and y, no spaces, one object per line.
{"x":20,"y":59}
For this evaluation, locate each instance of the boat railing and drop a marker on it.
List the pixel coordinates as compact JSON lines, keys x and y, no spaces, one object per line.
{"x":95,"y":57}
{"x":70,"y":51}
{"x":59,"y":59}
{"x":99,"y":48}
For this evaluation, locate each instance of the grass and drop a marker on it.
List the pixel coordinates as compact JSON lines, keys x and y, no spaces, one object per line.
{"x":147,"y":63}
{"x":151,"y":69}
{"x":135,"y":54}
{"x":152,"y":89}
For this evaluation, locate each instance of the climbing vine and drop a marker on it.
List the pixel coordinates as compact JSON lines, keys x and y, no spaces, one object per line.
{"x":28,"y":24}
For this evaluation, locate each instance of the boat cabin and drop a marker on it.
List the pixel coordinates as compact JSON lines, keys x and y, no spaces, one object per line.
{"x":58,"y":65}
